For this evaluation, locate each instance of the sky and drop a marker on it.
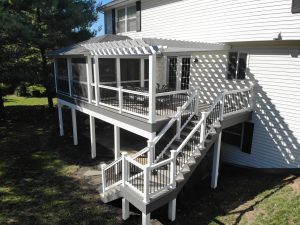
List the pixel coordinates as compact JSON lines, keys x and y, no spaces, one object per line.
{"x":100,"y":21}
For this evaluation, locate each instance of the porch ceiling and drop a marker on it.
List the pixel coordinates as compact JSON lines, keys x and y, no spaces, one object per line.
{"x":149,"y":46}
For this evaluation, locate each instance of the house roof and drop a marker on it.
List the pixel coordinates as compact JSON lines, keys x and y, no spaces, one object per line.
{"x":78,"y":49}
{"x":148,"y":46}
{"x":116,"y":3}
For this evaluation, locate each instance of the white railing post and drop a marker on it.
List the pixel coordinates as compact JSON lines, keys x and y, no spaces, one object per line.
{"x":120,"y":99}
{"x":103,"y":177}
{"x":197,"y":98}
{"x":69,"y":64}
{"x":146,"y":184}
{"x":178,"y":124}
{"x":222,"y":106}
{"x":96,"y":79}
{"x":202,"y":130}
{"x":150,"y":153}
{"x":173,"y":169}
{"x":89,"y":78}
{"x":252,"y":100}
{"x":124,"y":168}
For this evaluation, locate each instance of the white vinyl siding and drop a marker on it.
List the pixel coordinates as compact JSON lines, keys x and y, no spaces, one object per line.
{"x":276,"y":140}
{"x":218,"y":21}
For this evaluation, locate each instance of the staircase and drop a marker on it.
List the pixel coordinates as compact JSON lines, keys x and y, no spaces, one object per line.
{"x":155,"y":175}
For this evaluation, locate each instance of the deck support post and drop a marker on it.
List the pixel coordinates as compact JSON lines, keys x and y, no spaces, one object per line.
{"x":93,"y":137}
{"x":60,"y":119}
{"x":146,"y":219}
{"x":216,"y":160}
{"x":125,"y":209}
{"x":152,"y":88}
{"x":172,"y":210}
{"x":142,"y":72}
{"x":117,"y":142}
{"x":74,"y":126}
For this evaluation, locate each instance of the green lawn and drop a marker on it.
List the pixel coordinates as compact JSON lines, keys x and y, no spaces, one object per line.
{"x":38,"y":183}
{"x":13,"y":100}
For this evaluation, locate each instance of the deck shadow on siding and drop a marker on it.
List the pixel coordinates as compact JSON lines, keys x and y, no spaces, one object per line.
{"x":272,"y":135}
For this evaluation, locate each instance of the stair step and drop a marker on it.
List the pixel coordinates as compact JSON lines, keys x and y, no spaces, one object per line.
{"x":186,"y":169}
{"x":191,"y":161}
{"x":179,"y":177}
{"x":197,"y":153}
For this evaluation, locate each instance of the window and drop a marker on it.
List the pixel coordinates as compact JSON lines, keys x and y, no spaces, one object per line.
{"x":185,"y":73}
{"x":237,"y":65}
{"x":296,"y":6}
{"x":62,"y":75}
{"x":126,"y":19}
{"x":172,"y":68}
{"x":240,"y":135}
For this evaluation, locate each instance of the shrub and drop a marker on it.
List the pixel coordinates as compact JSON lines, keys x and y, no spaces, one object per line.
{"x":21,"y":90}
{"x":36,"y":90}
{"x":5,"y":88}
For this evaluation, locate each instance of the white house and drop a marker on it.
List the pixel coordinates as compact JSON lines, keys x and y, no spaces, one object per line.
{"x":190,"y":76}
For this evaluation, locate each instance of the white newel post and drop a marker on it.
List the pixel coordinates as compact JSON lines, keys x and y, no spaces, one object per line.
{"x":124,"y":168}
{"x":146,"y":183}
{"x":117,"y":141}
{"x":96,"y":79}
{"x":69,"y":65}
{"x":152,"y":88}
{"x":142,"y":72}
{"x":89,"y":78}
{"x":173,"y":169}
{"x":216,"y":160}
{"x":60,"y":119}
{"x":74,"y":125}
{"x":93,"y":137}
{"x":178,"y":124}
{"x":222,"y":106}
{"x":151,"y":153}
{"x":202,"y":130}
{"x":103,"y":177}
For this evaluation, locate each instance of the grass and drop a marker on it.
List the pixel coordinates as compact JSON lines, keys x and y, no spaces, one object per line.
{"x":13,"y":100}
{"x":38,"y":183}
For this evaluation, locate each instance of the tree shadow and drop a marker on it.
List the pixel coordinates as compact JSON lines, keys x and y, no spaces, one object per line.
{"x":36,"y":186}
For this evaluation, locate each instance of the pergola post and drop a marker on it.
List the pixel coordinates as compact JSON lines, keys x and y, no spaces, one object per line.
{"x":118,"y":67}
{"x":216,"y":160}
{"x":60,"y":119}
{"x":117,"y":142}
{"x":96,"y":79}
{"x":55,"y":72}
{"x":142,"y":72}
{"x":89,"y":78}
{"x":93,"y":137}
{"x":74,"y":125}
{"x":152,"y":88}
{"x":69,"y":65}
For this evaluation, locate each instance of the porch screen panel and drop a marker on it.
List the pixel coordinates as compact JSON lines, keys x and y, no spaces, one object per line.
{"x":242,"y":66}
{"x":62,"y":76}
{"x":172,"y":66}
{"x":185,"y":73}
{"x":130,"y":72}
{"x":79,"y":77}
{"x":107,"y":72}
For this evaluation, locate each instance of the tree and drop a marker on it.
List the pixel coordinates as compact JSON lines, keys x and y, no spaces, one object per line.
{"x":33,"y":26}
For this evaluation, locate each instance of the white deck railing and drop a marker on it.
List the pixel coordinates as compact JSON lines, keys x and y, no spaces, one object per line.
{"x":150,"y":178}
